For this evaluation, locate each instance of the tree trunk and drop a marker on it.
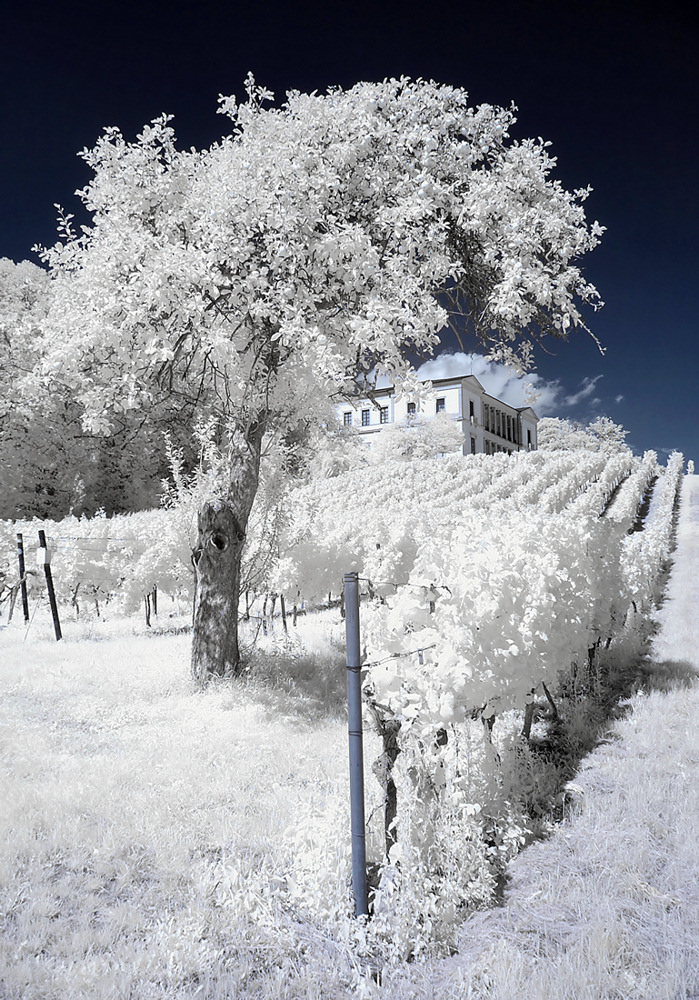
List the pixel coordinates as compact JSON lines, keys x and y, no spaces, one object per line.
{"x":383,"y":771}
{"x":216,"y":559}
{"x":215,"y":648}
{"x":389,"y":738}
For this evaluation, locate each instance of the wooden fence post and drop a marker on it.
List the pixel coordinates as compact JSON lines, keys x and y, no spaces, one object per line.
{"x":22,"y":575}
{"x":49,"y":584}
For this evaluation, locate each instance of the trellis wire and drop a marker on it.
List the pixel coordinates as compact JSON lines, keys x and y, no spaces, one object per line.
{"x":400,"y":656}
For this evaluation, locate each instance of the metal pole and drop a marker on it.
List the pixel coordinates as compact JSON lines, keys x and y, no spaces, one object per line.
{"x":22,"y":575}
{"x":356,"y":755}
{"x":49,"y":587}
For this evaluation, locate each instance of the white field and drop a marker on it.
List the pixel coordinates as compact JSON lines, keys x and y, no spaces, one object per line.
{"x":159,"y":842}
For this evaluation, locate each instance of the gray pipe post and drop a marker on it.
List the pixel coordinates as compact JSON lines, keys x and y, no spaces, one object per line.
{"x":356,"y":753}
{"x":22,"y":575}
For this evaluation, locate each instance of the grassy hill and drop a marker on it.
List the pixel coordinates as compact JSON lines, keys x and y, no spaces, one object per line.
{"x":160,"y":841}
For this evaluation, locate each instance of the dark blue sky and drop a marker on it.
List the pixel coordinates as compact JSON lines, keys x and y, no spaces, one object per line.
{"x":613,"y":86}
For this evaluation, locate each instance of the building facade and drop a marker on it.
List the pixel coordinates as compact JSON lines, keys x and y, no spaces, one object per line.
{"x":489,"y":425}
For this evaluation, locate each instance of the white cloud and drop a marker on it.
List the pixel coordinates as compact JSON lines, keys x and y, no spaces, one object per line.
{"x":588,"y":387}
{"x":497,"y":380}
{"x":547,"y":398}
{"x":618,"y":399}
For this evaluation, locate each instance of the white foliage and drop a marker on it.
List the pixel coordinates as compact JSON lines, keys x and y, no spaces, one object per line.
{"x":646,"y":552}
{"x":625,"y":504}
{"x":499,"y":568}
{"x":120,"y":558}
{"x":417,"y":438}
{"x":257,"y":275}
{"x":495,"y":571}
{"x":514,"y":600}
{"x":602,"y":434}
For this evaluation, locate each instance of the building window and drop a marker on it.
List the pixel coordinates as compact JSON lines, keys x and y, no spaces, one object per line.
{"x":348,"y":419}
{"x":366,"y":418}
{"x":411,"y":409}
{"x":383,"y":415}
{"x":529,"y":440}
{"x":473,"y":446}
{"x":441,"y":405}
{"x":471,"y":411}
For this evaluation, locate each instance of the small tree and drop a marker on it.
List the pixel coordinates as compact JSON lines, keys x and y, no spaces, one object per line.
{"x":49,"y":464}
{"x":417,"y":437}
{"x":602,"y":434}
{"x":34,"y":477}
{"x":250,"y":282}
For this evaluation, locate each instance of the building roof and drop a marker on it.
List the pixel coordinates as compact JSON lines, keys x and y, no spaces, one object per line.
{"x":451,"y":380}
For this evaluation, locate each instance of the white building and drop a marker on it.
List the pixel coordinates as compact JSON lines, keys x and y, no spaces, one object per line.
{"x":489,"y":425}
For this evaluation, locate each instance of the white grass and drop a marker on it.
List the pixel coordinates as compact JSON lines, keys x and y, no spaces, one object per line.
{"x":159,"y":842}
{"x":145,"y":825}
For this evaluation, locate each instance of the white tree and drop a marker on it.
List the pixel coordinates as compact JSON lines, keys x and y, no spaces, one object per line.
{"x":251,"y":281}
{"x":334,"y":449}
{"x":602,"y":434}
{"x":416,"y":438}
{"x":32,"y":431}
{"x":49,"y":464}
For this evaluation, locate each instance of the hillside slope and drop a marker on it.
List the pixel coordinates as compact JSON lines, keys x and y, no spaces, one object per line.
{"x":608,"y":907}
{"x":160,"y":842}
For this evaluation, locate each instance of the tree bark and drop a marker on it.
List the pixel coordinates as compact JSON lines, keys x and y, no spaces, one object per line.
{"x":222,"y":524}
{"x":383,"y":770}
{"x":215,"y":648}
{"x":389,"y":738}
